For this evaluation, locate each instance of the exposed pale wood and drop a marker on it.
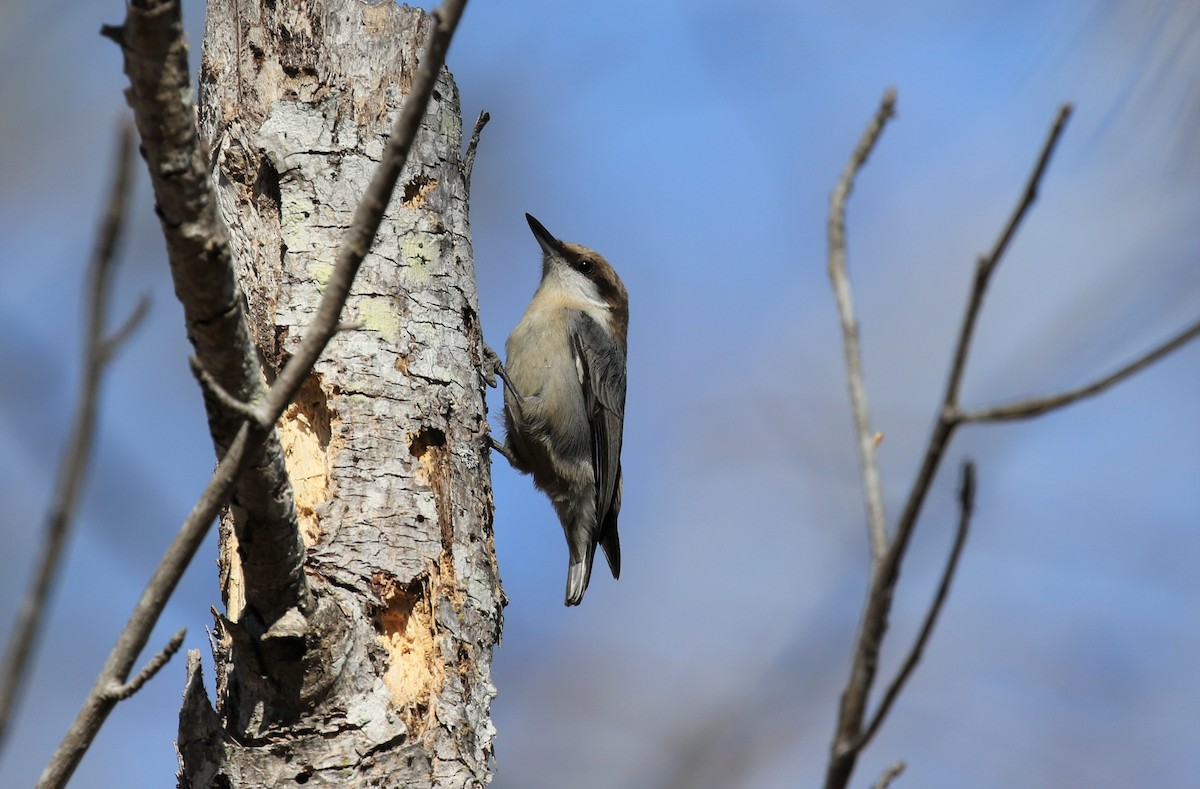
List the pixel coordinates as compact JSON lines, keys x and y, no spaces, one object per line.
{"x":387,"y":443}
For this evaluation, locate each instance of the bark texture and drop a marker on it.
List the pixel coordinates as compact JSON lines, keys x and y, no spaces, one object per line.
{"x":386,"y":446}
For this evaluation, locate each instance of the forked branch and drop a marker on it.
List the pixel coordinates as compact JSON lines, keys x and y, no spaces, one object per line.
{"x":848,"y":740}
{"x":987,"y":264}
{"x":152,"y":667}
{"x":851,"y":735}
{"x":966,"y":506}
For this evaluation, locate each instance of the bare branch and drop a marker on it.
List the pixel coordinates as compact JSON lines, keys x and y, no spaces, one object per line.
{"x":886,"y":572}
{"x":966,"y":505}
{"x":113,"y":342}
{"x":469,"y":161}
{"x":947,"y":420}
{"x":30,"y":615}
{"x":122,"y":692}
{"x":889,"y":775}
{"x":986,"y":265}
{"x":850,"y":737}
{"x":160,"y":92}
{"x":1026,"y":409}
{"x":836,"y":231}
{"x":248,"y":440}
{"x":146,"y":612}
{"x":218,"y":393}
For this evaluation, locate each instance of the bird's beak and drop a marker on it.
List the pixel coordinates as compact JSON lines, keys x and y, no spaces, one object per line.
{"x":549,"y":244}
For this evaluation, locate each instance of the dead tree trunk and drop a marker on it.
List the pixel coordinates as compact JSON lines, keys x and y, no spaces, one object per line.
{"x":387,"y":444}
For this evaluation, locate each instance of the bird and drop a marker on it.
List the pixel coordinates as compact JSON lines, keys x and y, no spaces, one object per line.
{"x":564,"y":399}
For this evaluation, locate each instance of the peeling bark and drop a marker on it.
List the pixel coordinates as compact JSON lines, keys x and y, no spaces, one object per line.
{"x":388,"y":684}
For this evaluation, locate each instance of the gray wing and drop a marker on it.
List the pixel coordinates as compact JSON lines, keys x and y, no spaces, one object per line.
{"x":600,"y":362}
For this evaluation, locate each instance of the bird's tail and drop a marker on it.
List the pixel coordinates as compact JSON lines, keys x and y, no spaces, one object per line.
{"x":578,"y":576}
{"x":612,"y":550}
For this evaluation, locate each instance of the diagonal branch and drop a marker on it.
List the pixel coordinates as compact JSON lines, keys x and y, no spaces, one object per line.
{"x":247,"y":440}
{"x":152,"y":667}
{"x":986,"y":265}
{"x":1026,"y":409}
{"x":145,"y":614}
{"x":966,"y":506}
{"x":836,"y":232}
{"x":944,"y":427}
{"x":212,"y":389}
{"x":97,"y":353}
{"x":160,"y":94}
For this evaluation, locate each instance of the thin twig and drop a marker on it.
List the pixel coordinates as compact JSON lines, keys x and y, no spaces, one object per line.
{"x":966,"y":506}
{"x":836,"y":230}
{"x":850,"y":737}
{"x":889,"y":775}
{"x":113,"y":342}
{"x":218,"y":393}
{"x":1025,"y":409}
{"x":146,"y":612}
{"x":248,"y":440}
{"x":886,"y":573}
{"x":122,"y":692}
{"x":986,"y":265}
{"x":469,"y":160}
{"x":97,"y":352}
{"x":944,"y":427}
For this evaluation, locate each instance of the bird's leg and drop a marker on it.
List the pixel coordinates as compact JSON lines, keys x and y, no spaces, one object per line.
{"x":492,"y":367}
{"x":505,"y":451}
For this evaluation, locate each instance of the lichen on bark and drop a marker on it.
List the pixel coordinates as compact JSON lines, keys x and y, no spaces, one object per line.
{"x":387,"y":445}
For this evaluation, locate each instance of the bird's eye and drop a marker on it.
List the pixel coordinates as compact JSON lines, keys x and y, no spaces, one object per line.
{"x":583,"y":265}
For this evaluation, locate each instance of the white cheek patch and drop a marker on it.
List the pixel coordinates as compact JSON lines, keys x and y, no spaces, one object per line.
{"x":581,"y":290}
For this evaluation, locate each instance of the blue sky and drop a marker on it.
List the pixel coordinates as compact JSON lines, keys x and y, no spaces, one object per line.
{"x":695,"y":144}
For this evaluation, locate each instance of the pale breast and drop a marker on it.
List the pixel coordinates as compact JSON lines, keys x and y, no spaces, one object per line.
{"x":541,"y":365}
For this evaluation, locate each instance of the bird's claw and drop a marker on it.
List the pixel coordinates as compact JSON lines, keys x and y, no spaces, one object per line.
{"x":493,"y":368}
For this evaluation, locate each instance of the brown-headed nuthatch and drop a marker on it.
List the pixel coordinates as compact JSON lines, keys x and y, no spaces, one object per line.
{"x":564,"y":403}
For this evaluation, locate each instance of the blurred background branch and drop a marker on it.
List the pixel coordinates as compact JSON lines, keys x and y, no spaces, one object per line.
{"x":866,"y":442}
{"x":1036,"y":406}
{"x":99,"y":348}
{"x":851,"y":736}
